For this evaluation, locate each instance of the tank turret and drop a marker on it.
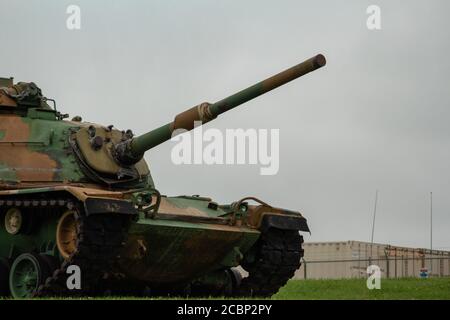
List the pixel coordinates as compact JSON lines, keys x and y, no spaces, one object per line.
{"x":79,"y":151}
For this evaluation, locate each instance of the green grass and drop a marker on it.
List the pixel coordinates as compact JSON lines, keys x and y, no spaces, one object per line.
{"x":356,"y":289}
{"x":350,"y":289}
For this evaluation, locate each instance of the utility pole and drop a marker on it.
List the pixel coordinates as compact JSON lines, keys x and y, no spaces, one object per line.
{"x":373,"y":225}
{"x":431,"y":232}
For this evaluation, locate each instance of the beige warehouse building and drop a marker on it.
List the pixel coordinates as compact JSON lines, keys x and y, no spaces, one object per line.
{"x":336,"y":260}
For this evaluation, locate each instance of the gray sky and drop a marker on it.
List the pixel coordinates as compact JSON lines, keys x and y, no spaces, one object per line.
{"x":376,"y":117}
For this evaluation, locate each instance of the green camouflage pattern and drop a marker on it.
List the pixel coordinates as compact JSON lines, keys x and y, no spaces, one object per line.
{"x":173,"y":240}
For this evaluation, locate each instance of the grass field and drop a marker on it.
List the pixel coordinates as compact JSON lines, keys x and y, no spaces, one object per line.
{"x":391,"y":289}
{"x":352,"y":289}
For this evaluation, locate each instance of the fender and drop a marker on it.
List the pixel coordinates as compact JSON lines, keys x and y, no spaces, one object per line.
{"x":95,"y":201}
{"x":283,"y":222}
{"x":263,"y":217}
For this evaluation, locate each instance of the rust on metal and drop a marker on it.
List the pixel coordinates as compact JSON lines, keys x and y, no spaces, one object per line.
{"x":186,"y":119}
{"x":66,"y":234}
{"x":294,"y":72}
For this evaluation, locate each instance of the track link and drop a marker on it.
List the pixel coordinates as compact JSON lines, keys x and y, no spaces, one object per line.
{"x":278,"y":254}
{"x":100,"y":238}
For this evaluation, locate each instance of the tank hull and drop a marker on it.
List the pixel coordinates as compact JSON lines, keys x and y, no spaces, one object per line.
{"x":187,"y":240}
{"x":157,"y":253}
{"x":161,"y":252}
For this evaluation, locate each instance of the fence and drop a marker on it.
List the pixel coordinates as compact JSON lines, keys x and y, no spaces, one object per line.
{"x":394,"y":262}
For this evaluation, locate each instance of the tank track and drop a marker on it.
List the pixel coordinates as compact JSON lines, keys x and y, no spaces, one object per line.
{"x":278,"y":255}
{"x":100,"y":238}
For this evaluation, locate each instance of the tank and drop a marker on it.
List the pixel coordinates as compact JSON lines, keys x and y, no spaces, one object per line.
{"x":81,"y":215}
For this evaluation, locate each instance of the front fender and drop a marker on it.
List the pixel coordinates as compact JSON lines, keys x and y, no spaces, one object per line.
{"x":264,"y":217}
{"x":283,"y":222}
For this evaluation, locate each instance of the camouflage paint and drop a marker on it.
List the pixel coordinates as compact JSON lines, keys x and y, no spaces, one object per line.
{"x":35,"y":150}
{"x":206,"y":112}
{"x":43,"y":240}
{"x":186,"y":238}
{"x":160,"y":252}
{"x":8,"y":175}
{"x":38,"y":151}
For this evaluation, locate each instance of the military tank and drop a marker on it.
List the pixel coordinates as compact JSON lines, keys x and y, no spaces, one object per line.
{"x":75,"y":194}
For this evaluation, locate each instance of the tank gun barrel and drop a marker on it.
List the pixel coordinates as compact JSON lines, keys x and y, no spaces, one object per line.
{"x":268,"y":85}
{"x":131,"y":151}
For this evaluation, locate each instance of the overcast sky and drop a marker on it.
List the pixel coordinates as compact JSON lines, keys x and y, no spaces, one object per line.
{"x":376,"y":117}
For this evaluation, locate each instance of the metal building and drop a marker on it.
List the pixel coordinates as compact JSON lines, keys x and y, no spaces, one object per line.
{"x":350,"y":259}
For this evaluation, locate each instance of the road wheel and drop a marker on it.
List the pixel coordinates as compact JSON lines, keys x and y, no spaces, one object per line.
{"x":28,"y":272}
{"x":236,"y":280}
{"x":66,"y":234}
